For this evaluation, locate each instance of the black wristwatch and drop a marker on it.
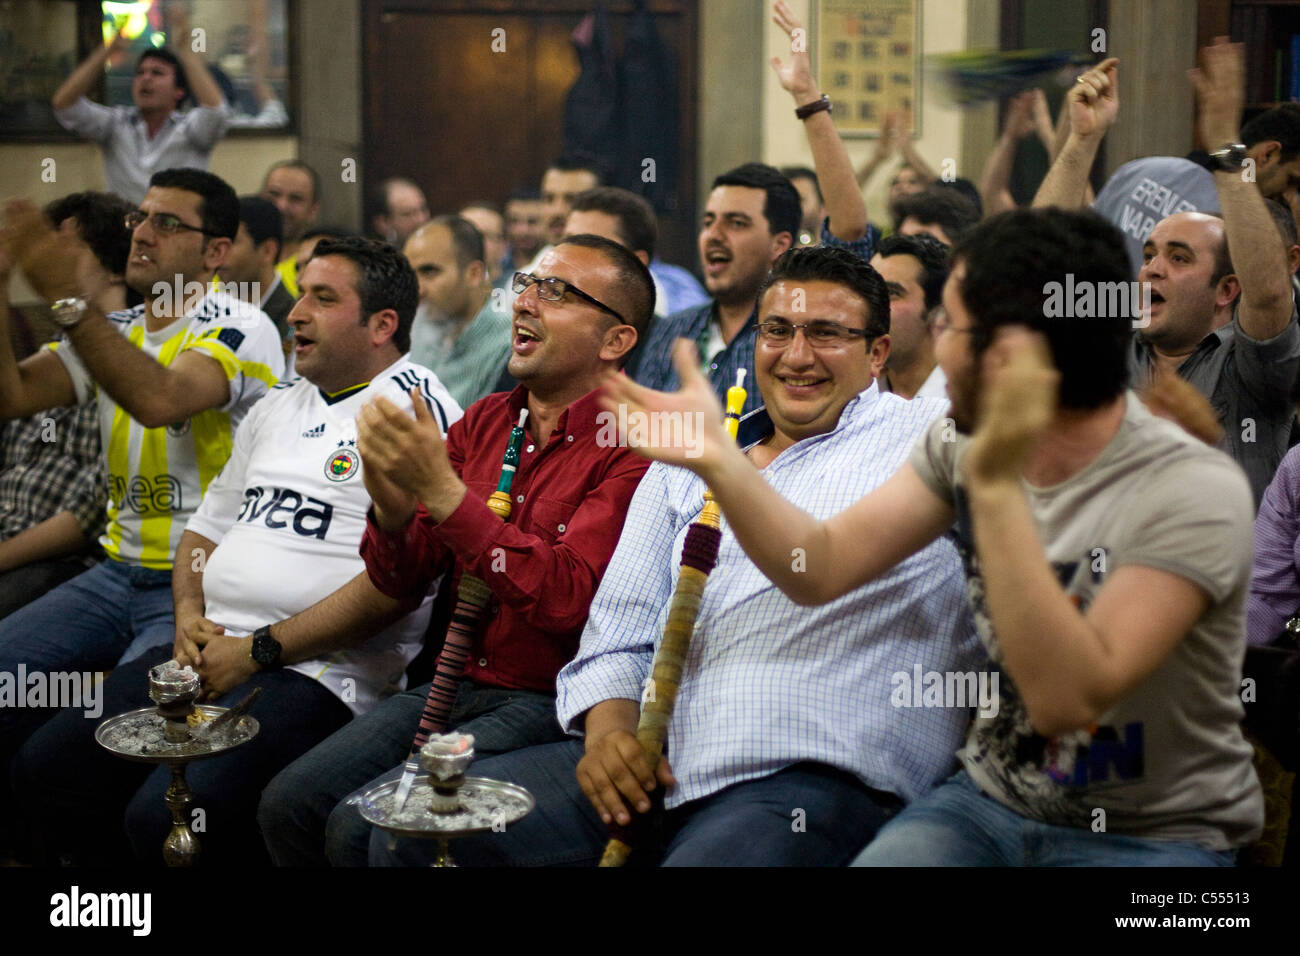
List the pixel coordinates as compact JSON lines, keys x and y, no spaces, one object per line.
{"x":266,"y":649}
{"x":1230,"y":157}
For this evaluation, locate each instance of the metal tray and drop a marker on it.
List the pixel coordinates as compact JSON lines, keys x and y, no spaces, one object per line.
{"x":492,"y":805}
{"x":146,"y":719}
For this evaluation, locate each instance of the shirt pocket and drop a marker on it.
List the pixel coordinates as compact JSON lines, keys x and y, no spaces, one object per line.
{"x":549,"y":518}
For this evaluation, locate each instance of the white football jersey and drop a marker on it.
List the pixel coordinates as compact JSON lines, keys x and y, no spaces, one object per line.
{"x":288,"y":513}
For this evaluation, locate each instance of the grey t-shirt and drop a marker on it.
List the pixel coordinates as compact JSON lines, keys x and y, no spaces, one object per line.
{"x":1168,"y":761}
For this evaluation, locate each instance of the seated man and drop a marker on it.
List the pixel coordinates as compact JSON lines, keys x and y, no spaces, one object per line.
{"x":249,"y":272}
{"x":574,"y":323}
{"x":788,"y":743}
{"x":271,"y":552}
{"x":1107,"y":554}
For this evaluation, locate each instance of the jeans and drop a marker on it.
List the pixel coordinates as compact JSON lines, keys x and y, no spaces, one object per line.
{"x":805,"y":815}
{"x":305,"y":816}
{"x":23,"y":585}
{"x":112,"y":612}
{"x":62,"y":775}
{"x":958,"y":825}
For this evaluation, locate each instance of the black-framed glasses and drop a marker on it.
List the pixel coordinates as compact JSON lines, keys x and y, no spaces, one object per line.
{"x":552,"y":290}
{"x":164,"y":223}
{"x":821,"y":334}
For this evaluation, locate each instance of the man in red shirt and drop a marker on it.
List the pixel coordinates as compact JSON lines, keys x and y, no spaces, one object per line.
{"x":575,"y":320}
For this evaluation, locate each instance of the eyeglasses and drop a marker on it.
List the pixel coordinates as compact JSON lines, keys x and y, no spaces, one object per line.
{"x":163,"y":223}
{"x":940,"y":323}
{"x":552,"y":290}
{"x":820,"y":334}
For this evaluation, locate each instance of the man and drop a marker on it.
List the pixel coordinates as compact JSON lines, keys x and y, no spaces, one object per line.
{"x":523,"y":212}
{"x":1071,"y":505}
{"x":462,"y":330}
{"x":562,"y":181}
{"x":810,"y":201}
{"x":946,"y":214}
{"x":746,"y":759}
{"x":623,"y":217}
{"x":250,"y":266}
{"x":750,"y":219}
{"x":294,"y":187}
{"x":574,"y":322}
{"x":152,"y":135}
{"x":914,"y":269}
{"x":173,"y":378}
{"x":1222,"y":312}
{"x":487,"y":219}
{"x":271,"y":553}
{"x":400,"y":209}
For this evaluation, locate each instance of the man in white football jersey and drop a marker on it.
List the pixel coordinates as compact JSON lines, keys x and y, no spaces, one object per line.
{"x":270,"y":589}
{"x":173,"y":377}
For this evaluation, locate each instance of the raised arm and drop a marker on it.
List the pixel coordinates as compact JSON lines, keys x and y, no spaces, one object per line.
{"x":886,"y":144}
{"x":811,"y":561}
{"x":842,"y":197}
{"x":202,"y":83}
{"x":83,"y":79}
{"x":1094,"y":104}
{"x":997,"y":171}
{"x":1258,"y":256}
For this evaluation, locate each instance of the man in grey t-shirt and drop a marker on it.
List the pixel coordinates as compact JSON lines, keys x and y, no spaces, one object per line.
{"x":1107,"y":557}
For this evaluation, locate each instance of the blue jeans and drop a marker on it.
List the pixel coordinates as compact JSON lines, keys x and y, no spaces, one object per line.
{"x":111,"y":613}
{"x":805,"y":815}
{"x":956,"y":824}
{"x":304,"y":815}
{"x":116,"y":806}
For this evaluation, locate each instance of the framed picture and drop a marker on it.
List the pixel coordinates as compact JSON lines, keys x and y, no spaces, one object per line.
{"x":39,"y":47}
{"x":868,"y":61}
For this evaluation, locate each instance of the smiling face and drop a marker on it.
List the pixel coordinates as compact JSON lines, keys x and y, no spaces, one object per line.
{"x":736,"y":244}
{"x":160,"y":258}
{"x":805,"y":389}
{"x":1178,"y":259}
{"x":567,"y":344}
{"x":331,"y":341}
{"x":154,"y":88}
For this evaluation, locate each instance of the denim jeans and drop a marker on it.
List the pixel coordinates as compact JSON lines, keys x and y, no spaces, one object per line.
{"x":958,"y":825}
{"x":62,"y":775}
{"x":112,"y":612}
{"x":805,"y":815}
{"x":304,"y":815}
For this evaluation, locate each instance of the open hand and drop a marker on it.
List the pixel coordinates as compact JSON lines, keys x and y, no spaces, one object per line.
{"x":1220,"y":86}
{"x":796,"y":78}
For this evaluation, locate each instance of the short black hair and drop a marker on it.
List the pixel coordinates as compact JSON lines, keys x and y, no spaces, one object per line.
{"x":1284,"y":221}
{"x":634,"y":278}
{"x":832,"y":264}
{"x":386,"y":281}
{"x":523,"y":194}
{"x":803,"y":172}
{"x":963,"y":187}
{"x":1281,"y":123}
{"x":782,"y":207}
{"x":637,"y":227}
{"x":938,"y":206}
{"x":1011,"y":260}
{"x":297,"y":164}
{"x":465,"y":238}
{"x":219,"y":206}
{"x":930,"y":253}
{"x":570,"y":162}
{"x":262,"y":219}
{"x":167,"y":56}
{"x":329,"y":232}
{"x":101,"y":224}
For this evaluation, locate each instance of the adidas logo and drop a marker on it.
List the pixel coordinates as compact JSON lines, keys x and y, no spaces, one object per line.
{"x":316,"y":432}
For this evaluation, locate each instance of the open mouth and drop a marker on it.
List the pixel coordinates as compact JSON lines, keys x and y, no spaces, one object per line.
{"x":525,"y":340}
{"x":715,"y":260}
{"x":301,"y":343}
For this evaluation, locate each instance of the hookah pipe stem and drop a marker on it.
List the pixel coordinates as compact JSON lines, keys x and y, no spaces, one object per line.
{"x":472,"y":596}
{"x":699,"y":555}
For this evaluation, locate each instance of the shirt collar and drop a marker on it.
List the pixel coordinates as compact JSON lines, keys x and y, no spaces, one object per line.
{"x":576,"y":420}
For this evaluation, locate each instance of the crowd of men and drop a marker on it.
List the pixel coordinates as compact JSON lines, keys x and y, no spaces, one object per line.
{"x":275,"y":445}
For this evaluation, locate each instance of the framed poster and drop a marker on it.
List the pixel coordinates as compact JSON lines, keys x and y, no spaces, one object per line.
{"x":38,"y":49}
{"x":868,"y":61}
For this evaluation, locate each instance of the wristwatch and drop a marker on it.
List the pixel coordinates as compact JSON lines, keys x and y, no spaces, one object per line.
{"x":266,"y":649}
{"x":816,"y":106}
{"x":68,"y":312}
{"x":1230,"y":157}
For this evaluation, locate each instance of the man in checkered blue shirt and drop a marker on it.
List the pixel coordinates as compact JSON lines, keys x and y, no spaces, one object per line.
{"x":790,"y":743}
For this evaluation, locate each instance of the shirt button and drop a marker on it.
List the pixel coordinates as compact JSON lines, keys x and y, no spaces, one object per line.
{"x":482,"y":662}
{"x":714,"y":366}
{"x":520,"y":499}
{"x":570,"y":438}
{"x":560,"y":529}
{"x":530,"y":448}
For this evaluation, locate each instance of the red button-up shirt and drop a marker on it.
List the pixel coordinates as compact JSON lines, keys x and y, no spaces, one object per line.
{"x":569,"y":499}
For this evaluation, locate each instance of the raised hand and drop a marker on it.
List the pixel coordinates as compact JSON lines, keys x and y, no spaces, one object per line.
{"x":694,"y":405}
{"x":1220,"y":86}
{"x":408,"y":454}
{"x":796,"y":78}
{"x":48,"y":257}
{"x":1017,"y":404}
{"x":1094,"y":100}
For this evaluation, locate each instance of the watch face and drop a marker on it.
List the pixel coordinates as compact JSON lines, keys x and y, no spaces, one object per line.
{"x":266,"y":650}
